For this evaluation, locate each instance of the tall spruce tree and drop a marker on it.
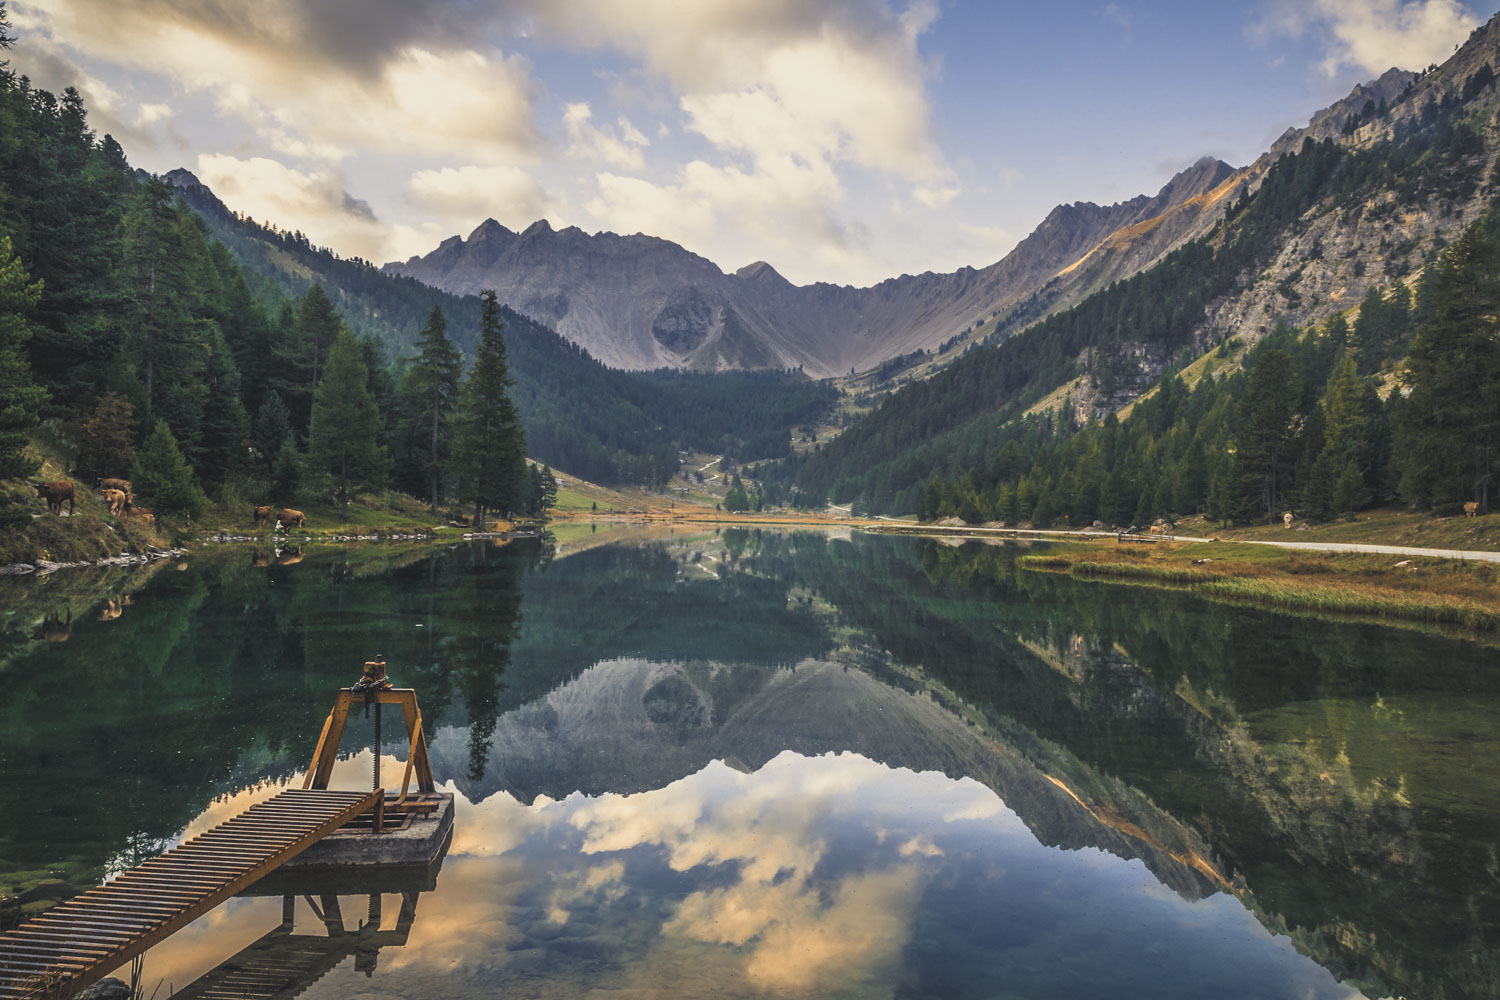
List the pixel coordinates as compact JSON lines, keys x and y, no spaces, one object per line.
{"x":302,"y":344}
{"x":1265,"y":415}
{"x":1449,"y":436}
{"x":433,"y":379}
{"x":489,"y":444}
{"x":344,"y":439}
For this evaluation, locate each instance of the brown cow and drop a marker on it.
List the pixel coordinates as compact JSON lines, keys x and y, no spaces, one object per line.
{"x":1287,"y":519}
{"x":123,"y":485}
{"x":1471,"y":509}
{"x":262,"y":515}
{"x":288,"y":518}
{"x":145,"y":515}
{"x":112,"y":609}
{"x":55,"y":493}
{"x":115,"y":499}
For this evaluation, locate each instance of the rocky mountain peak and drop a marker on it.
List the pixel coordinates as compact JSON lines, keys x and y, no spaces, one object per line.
{"x":761,"y":272}
{"x":488,"y":229}
{"x":181,"y":177}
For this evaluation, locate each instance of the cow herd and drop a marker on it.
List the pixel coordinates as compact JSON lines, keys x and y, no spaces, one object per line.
{"x":115,"y":493}
{"x":119,"y":500}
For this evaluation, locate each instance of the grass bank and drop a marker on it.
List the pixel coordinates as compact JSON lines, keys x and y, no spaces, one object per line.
{"x":89,"y":533}
{"x":1347,"y":585}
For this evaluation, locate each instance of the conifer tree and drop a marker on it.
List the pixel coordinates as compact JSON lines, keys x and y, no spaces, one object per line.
{"x":434,"y":377}
{"x":343,"y":439}
{"x":1265,"y":414}
{"x":161,"y":475}
{"x":19,"y":398}
{"x":303,"y":341}
{"x":1449,"y":435}
{"x":489,"y":444}
{"x":105,"y":447}
{"x":1350,"y":492}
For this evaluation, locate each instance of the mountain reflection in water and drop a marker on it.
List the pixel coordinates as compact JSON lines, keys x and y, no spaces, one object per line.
{"x":749,"y":763}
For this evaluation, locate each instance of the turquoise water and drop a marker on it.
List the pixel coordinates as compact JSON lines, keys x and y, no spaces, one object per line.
{"x":760,"y":764}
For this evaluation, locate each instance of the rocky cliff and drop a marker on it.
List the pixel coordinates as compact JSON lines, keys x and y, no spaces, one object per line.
{"x":642,"y":302}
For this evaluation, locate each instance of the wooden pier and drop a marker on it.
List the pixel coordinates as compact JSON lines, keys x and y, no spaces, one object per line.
{"x":78,"y":942}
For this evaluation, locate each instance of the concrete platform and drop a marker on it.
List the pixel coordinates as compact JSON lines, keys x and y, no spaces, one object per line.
{"x":424,"y":840}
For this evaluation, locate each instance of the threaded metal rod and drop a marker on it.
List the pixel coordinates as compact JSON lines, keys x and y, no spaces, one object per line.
{"x":375,"y":782}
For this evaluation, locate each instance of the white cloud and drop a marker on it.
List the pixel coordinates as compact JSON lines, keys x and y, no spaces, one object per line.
{"x":315,"y":93}
{"x":465,"y":196}
{"x":792,"y":97}
{"x":148,"y":113}
{"x":315,"y":203}
{"x":934,"y":197}
{"x":619,"y":147}
{"x":784,"y":209}
{"x":1374,"y":35}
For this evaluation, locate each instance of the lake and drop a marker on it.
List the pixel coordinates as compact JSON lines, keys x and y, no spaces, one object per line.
{"x":754,"y":763}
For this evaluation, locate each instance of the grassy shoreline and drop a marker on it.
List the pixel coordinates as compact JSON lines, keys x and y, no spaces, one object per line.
{"x":1382,"y":588}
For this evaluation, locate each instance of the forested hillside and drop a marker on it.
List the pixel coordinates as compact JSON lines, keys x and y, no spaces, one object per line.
{"x":966,"y":431}
{"x":596,"y":422}
{"x":129,"y":332}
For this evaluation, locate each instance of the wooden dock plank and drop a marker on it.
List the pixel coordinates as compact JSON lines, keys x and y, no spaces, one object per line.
{"x":65,"y":949}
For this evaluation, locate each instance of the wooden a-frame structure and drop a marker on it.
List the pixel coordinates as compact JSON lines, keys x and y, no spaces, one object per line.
{"x":417,"y":761}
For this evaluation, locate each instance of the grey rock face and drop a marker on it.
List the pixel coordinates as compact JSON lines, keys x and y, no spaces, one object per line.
{"x":642,"y":302}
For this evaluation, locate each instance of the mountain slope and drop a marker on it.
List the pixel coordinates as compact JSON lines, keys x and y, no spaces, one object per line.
{"x":642,"y":302}
{"x":1363,"y":198}
{"x":580,"y":416}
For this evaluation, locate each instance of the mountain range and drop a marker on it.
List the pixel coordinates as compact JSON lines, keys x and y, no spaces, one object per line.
{"x":644,"y":302}
{"x":640,"y":302}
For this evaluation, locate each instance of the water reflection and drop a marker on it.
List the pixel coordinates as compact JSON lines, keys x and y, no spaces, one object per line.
{"x":694,"y":754}
{"x":811,"y":876}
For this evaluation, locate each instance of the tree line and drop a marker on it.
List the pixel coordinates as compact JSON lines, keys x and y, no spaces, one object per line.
{"x":120,"y":311}
{"x":1316,"y":421}
{"x":130,"y":342}
{"x":1123,"y":337}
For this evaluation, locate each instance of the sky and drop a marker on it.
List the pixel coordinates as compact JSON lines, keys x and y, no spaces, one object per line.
{"x":840,"y":140}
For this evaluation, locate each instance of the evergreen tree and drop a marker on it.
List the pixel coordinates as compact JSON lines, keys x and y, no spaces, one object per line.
{"x":434,"y":377}
{"x":157,"y":262}
{"x":549,"y":490}
{"x":1225,"y":497}
{"x":1351,"y":418}
{"x":1318,"y":501}
{"x":344,"y":437}
{"x":161,"y":475}
{"x":1265,"y":415}
{"x":223,"y":421}
{"x":1449,"y":435}
{"x":303,"y":340}
{"x":20,"y":400}
{"x":273,"y":424}
{"x":489,"y":445}
{"x":105,"y":445}
{"x":1350,"y":492}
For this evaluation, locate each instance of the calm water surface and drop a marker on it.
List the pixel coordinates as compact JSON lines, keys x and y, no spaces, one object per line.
{"x":762,"y":764}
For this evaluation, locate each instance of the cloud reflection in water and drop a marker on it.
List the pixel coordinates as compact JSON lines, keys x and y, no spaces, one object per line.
{"x":810,"y":876}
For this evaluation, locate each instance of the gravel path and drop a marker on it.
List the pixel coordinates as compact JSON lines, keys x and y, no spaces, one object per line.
{"x":1390,"y":550}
